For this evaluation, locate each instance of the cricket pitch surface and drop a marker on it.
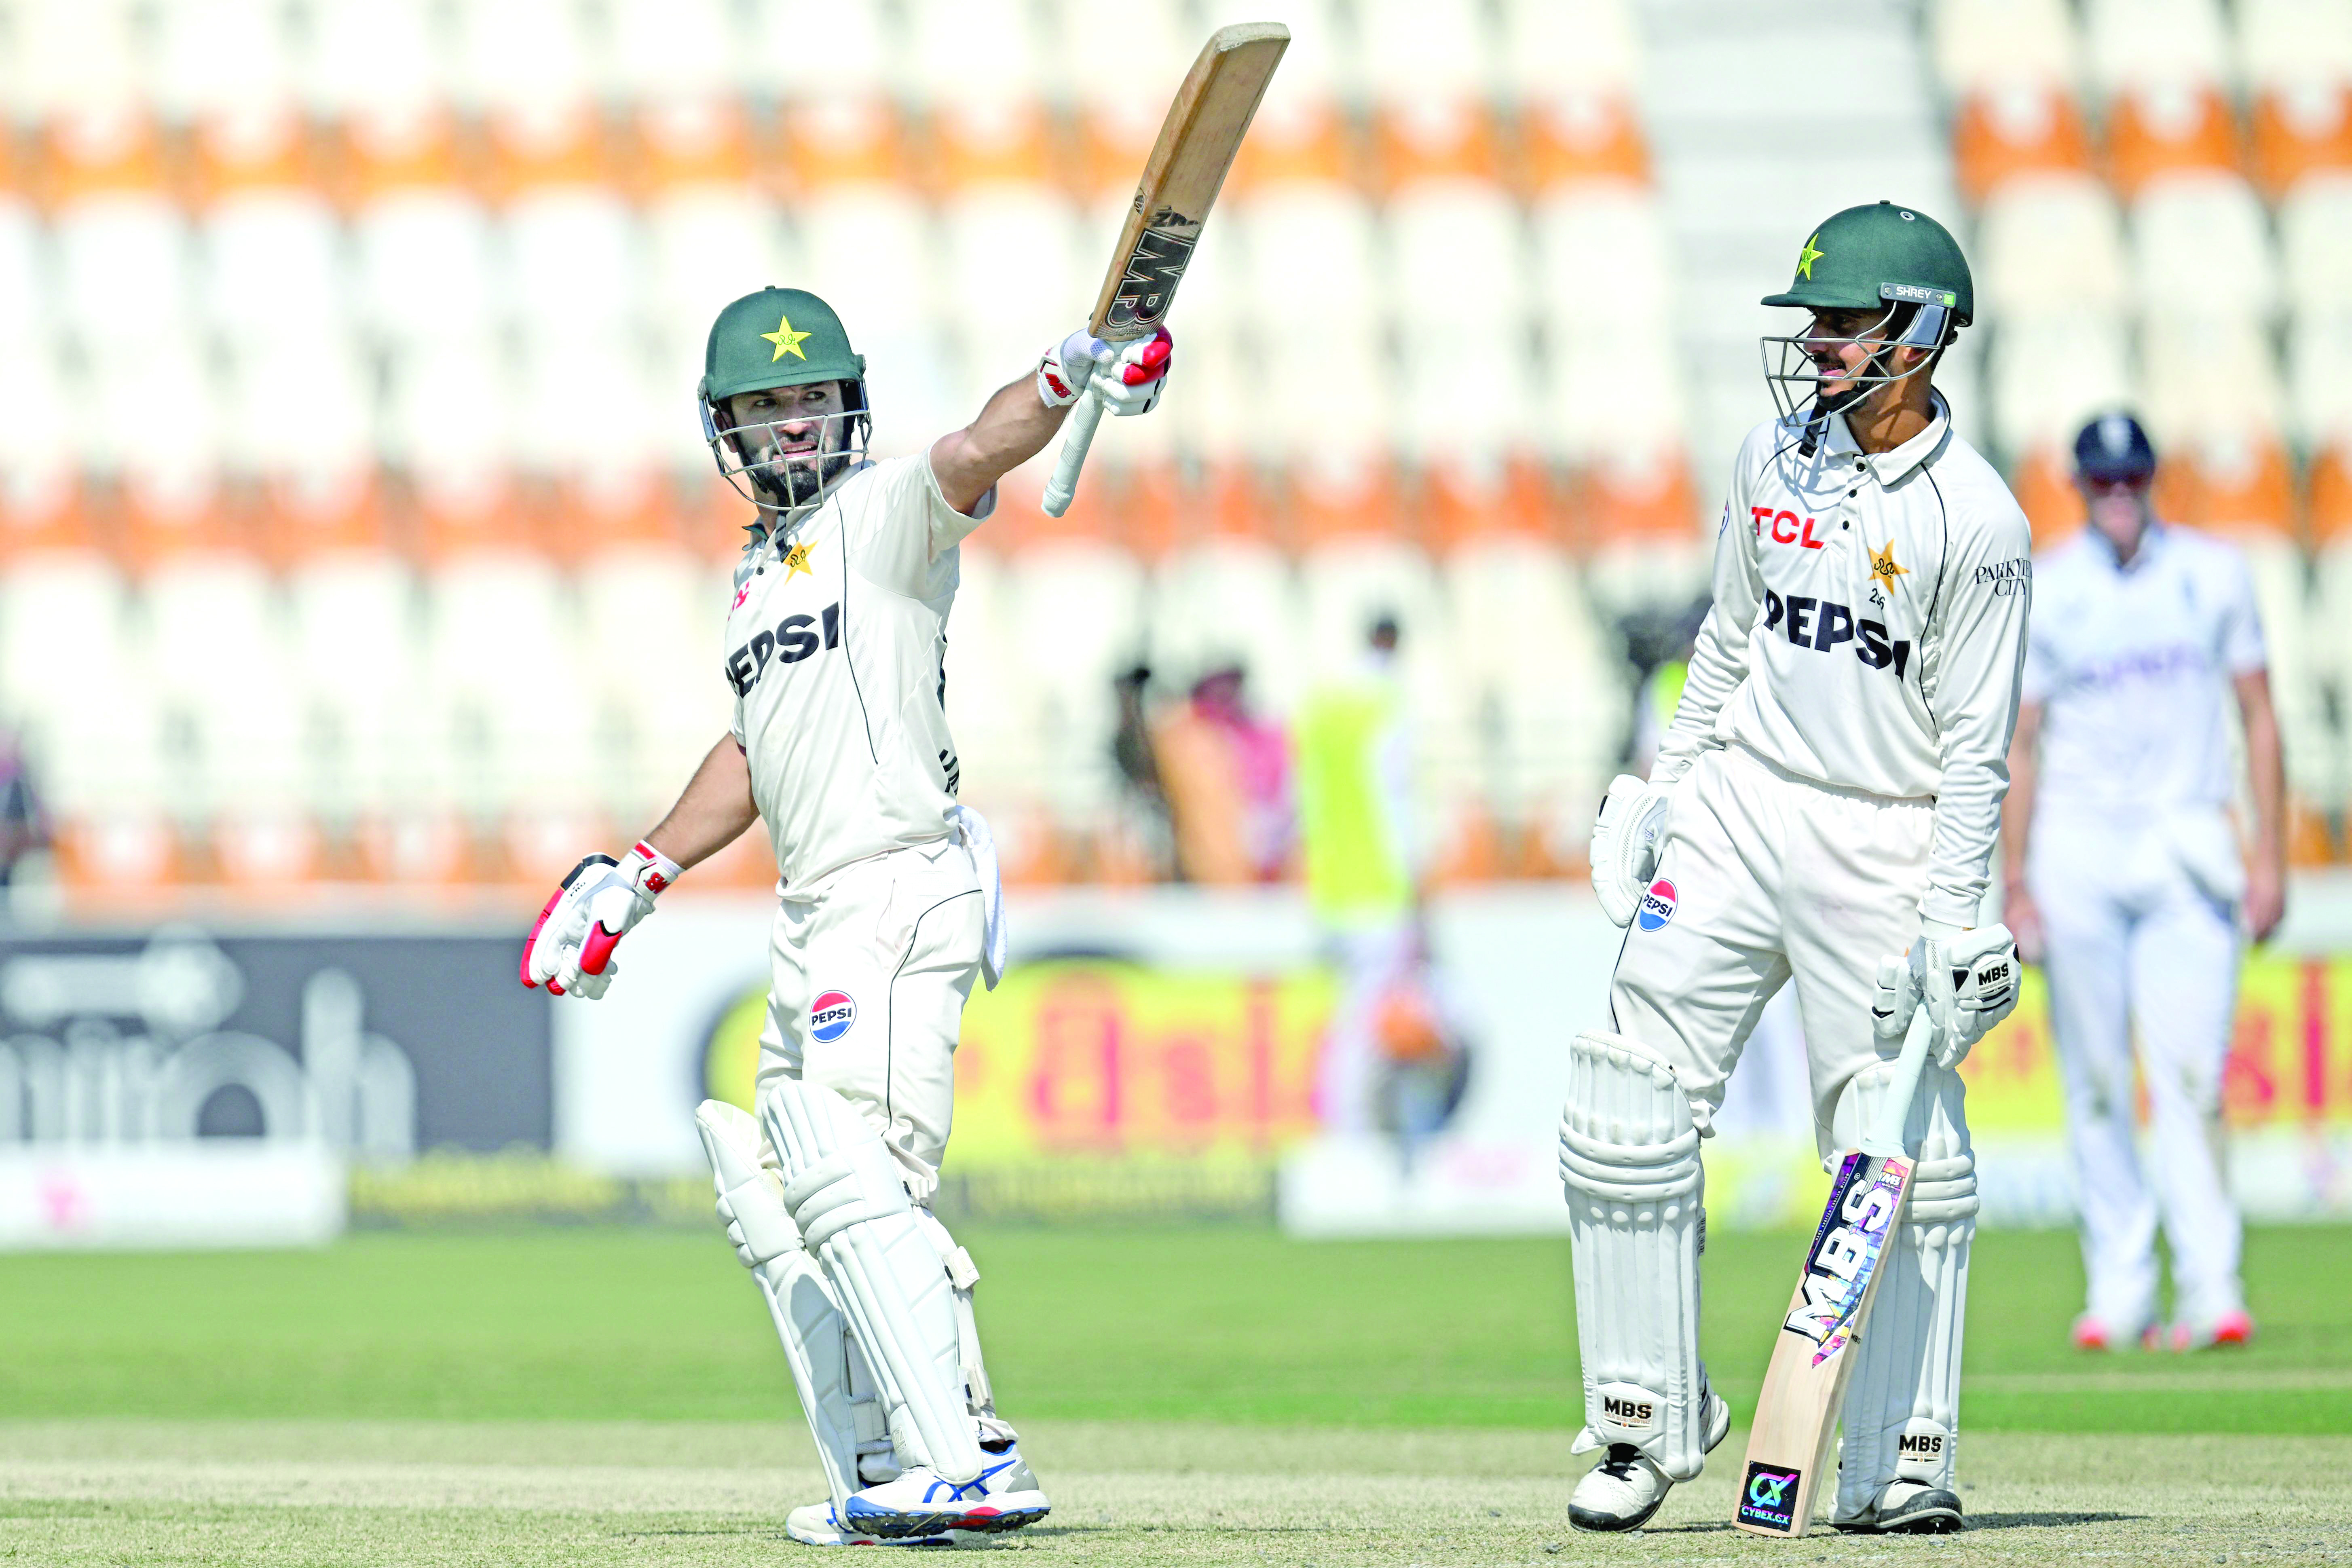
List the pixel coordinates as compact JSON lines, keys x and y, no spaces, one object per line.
{"x":263,"y":1493}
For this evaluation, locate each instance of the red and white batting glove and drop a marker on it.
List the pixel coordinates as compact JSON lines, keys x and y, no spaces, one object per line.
{"x":1130,"y":379}
{"x":570,"y":950}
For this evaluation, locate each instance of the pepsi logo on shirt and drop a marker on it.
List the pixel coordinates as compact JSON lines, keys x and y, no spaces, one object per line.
{"x":831,"y":1015}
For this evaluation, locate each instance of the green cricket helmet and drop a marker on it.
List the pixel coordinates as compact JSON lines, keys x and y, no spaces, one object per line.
{"x":780,"y":338}
{"x":1895,"y":261}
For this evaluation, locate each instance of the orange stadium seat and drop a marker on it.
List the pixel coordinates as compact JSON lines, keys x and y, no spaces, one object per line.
{"x":2300,"y":130}
{"x":2016,"y":130}
{"x":988,"y":141}
{"x":692,"y":142}
{"x":1572,"y":138}
{"x":838,"y":140}
{"x":2042,"y":479}
{"x":2169,"y":127}
{"x":1433,"y":139}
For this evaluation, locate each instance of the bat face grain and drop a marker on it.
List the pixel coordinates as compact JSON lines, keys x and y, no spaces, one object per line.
{"x":1211,"y":113}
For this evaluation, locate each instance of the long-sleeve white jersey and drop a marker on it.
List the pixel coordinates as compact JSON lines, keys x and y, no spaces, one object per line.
{"x":1868,"y":631}
{"x":835,"y":646}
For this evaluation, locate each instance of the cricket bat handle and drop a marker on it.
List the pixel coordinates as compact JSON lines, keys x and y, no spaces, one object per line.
{"x":1885,"y":1137}
{"x":1077,"y":435}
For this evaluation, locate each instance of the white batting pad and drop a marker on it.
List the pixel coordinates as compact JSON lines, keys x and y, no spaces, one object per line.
{"x":1629,"y":1163}
{"x":843,"y":1191}
{"x":1902,"y":1409}
{"x":807,"y":1317}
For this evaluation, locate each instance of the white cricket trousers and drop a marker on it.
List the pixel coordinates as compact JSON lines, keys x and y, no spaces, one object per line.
{"x":870,"y":967}
{"x":1373,"y":962}
{"x":2140,"y":931}
{"x":1763,"y":875}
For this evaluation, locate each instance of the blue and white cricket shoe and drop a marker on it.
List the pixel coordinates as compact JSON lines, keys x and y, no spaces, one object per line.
{"x":920,"y":1503}
{"x":816,"y":1525}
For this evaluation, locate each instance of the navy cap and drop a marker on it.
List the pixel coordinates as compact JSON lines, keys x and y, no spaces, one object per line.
{"x":2113,"y":448}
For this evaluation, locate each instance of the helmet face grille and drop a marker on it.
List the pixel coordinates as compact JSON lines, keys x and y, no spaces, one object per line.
{"x":786,"y":465}
{"x":1796,"y":381}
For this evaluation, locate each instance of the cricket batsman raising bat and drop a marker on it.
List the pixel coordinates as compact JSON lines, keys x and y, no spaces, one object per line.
{"x":888,"y":900}
{"x":1822,"y":810}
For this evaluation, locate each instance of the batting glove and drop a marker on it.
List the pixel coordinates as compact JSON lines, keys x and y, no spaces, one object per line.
{"x":1129,"y":380}
{"x":570,"y":950}
{"x":1627,"y":841}
{"x":1966,"y":979}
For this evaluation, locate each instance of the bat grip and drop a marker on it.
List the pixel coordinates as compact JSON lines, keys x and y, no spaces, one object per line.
{"x":1884,"y":1136}
{"x":1077,"y":436}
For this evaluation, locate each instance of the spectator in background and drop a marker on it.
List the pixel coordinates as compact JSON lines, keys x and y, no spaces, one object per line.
{"x":1225,"y":774}
{"x":23,"y":825}
{"x":2123,"y":873}
{"x":1363,"y":865}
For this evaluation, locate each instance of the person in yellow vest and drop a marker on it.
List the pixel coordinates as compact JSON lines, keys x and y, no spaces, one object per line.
{"x":1353,"y":755}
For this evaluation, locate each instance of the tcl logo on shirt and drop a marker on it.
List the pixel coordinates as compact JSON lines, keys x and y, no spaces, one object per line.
{"x":794,"y":639}
{"x":1822,"y":624}
{"x":1782,"y":527}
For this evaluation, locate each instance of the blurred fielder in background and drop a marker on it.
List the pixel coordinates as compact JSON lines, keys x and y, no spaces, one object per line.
{"x":836,"y":647}
{"x":2125,"y":876}
{"x":1827,"y":793}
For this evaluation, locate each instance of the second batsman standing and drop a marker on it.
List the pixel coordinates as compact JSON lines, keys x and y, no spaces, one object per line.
{"x":1827,"y":797}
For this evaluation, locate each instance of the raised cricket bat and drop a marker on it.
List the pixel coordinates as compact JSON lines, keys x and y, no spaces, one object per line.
{"x":1813,"y":1355}
{"x":1181,"y":180}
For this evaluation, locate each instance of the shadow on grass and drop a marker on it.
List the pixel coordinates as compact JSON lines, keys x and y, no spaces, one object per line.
{"x":2058,"y":1520}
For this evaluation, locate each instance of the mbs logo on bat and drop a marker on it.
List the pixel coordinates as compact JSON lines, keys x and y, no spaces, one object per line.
{"x":1153,"y":270}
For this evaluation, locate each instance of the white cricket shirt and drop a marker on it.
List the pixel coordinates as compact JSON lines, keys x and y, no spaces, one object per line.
{"x":2133,"y":667}
{"x":835,"y":651}
{"x":1868,"y":631}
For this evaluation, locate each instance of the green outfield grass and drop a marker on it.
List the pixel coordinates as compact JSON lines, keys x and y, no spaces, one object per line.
{"x":1211,"y":1325}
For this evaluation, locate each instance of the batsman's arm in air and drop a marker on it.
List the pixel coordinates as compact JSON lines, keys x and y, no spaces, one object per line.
{"x":1822,"y":811}
{"x":888,"y":900}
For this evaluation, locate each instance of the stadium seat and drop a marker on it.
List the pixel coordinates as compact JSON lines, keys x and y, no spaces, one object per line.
{"x":2207,"y":377}
{"x":651,"y":615}
{"x":1550,"y":700}
{"x":1981,"y":48}
{"x":2301,"y":131}
{"x":2017,"y":129}
{"x":672,"y":51}
{"x":236,"y":706}
{"x":73,"y":57}
{"x":272,"y":265}
{"x":2159,"y":129}
{"x":704,"y":246}
{"x":449,"y":409}
{"x":2132,"y":44}
{"x":224,"y":57}
{"x":424,"y":268}
{"x":122,"y":246}
{"x":490,"y":36}
{"x":997,"y":717}
{"x":1568,"y":48}
{"x":2315,"y":225}
{"x":2048,"y":375}
{"x":1010,"y":258}
{"x":1639,"y":523}
{"x":2285,"y":42}
{"x":571,"y":265}
{"x":1603,"y":260}
{"x":2050,"y":245}
{"x":2319,"y":373}
{"x":2200,"y":243}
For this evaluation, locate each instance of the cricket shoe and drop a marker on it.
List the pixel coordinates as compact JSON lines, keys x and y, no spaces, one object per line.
{"x":1626,"y":1488}
{"x":2234,"y":1328}
{"x":2093,"y":1332}
{"x":920,"y":1501}
{"x":1907,"y":1508}
{"x":816,"y":1524}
